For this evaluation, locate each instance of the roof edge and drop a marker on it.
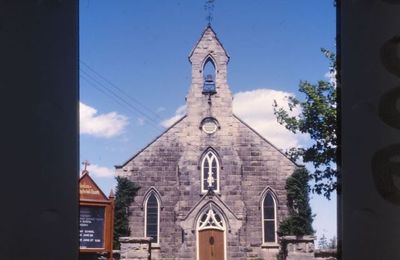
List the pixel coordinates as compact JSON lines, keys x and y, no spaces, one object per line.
{"x":86,"y":175}
{"x":144,"y":148}
{"x":262,"y":137}
{"x":201,"y":37}
{"x":204,"y":196}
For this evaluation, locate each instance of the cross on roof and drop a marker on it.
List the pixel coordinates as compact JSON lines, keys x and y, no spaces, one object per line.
{"x":86,"y":163}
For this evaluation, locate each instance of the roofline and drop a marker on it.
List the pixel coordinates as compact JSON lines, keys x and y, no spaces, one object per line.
{"x":262,"y":137}
{"x":204,"y":196}
{"x":95,"y":184}
{"x":155,"y":139}
{"x":201,"y":37}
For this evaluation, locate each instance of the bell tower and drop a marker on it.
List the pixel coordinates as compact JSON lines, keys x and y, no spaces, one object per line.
{"x":209,"y":94}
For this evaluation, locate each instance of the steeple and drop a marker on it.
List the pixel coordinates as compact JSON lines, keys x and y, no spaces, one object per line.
{"x":209,"y":90}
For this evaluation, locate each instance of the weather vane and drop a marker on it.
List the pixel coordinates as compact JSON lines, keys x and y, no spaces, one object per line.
{"x":209,"y":7}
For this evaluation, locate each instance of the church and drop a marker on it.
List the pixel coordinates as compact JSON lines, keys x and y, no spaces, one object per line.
{"x":211,"y":187}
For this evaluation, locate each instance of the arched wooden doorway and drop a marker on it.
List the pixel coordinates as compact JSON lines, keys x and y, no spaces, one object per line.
{"x":211,"y":236}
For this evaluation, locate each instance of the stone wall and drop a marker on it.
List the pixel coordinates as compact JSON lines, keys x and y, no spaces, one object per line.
{"x":170,"y":167}
{"x":325,"y":254}
{"x":298,"y":247}
{"x":302,"y":248}
{"x":135,"y":248}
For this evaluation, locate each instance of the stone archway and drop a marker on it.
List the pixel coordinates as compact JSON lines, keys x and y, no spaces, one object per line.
{"x":211,"y":235}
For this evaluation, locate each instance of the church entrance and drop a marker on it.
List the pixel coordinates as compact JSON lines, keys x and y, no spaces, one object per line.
{"x":211,"y":236}
{"x":211,"y":244}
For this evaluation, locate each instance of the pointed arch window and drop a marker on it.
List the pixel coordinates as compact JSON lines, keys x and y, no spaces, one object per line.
{"x":209,"y":77}
{"x":211,"y":219}
{"x":269,"y":218}
{"x":210,"y":172}
{"x":152,"y":217}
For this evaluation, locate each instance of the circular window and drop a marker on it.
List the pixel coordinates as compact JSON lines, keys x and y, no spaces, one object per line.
{"x":209,"y":125}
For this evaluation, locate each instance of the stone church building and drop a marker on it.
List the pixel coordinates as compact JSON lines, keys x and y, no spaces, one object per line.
{"x":211,"y":187}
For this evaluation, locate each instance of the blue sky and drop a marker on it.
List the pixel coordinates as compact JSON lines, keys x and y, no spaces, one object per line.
{"x":140,"y":49}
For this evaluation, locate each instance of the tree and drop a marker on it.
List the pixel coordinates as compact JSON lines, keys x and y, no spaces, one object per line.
{"x":332,"y":243}
{"x":323,"y":242}
{"x":300,"y":217}
{"x":125,"y":193}
{"x":317,"y":118}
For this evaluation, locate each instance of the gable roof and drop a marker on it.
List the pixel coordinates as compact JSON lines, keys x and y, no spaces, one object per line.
{"x":144,"y":148}
{"x":208,"y":197}
{"x":88,"y":189}
{"x":265,"y":140}
{"x":208,"y":28}
{"x":177,"y":122}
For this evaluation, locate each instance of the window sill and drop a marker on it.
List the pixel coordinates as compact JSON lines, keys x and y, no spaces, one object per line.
{"x":270,"y":245}
{"x":155,"y":246}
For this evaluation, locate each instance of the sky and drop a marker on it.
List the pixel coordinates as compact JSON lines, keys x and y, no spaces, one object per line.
{"x":135,"y":73}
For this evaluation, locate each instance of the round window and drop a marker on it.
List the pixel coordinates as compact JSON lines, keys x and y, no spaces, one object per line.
{"x":209,"y":125}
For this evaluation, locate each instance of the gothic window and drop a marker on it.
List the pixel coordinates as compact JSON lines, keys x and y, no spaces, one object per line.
{"x":269,"y":218}
{"x":210,"y":172}
{"x":211,"y":219}
{"x":209,"y":77}
{"x":152,"y":217}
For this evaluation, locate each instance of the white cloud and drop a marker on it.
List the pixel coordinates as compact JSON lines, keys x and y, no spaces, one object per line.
{"x":100,"y":171}
{"x":331,"y":77}
{"x":101,"y":125}
{"x":179,"y":113}
{"x":255,"y":108}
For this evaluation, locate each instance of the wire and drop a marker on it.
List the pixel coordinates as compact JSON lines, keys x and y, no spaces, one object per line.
{"x":118,"y":99}
{"x":121,"y":90}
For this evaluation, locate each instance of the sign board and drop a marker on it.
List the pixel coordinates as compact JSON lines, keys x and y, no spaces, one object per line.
{"x":96,"y":218}
{"x":91,"y":227}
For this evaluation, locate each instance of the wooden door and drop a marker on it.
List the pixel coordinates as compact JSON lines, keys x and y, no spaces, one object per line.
{"x":211,"y":244}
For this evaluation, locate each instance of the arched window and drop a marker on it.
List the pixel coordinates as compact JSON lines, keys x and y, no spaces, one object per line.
{"x":152,"y":217}
{"x":269,"y":218}
{"x":209,"y":77}
{"x":211,"y":219}
{"x":210,"y":172}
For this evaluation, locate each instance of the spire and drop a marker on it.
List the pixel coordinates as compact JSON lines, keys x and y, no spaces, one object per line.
{"x":209,"y":7}
{"x":112,"y":195}
{"x":209,"y":43}
{"x":209,"y":91}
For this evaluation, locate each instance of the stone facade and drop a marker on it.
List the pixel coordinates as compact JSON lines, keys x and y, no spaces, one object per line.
{"x":134,"y":248}
{"x":170,"y":167}
{"x":298,"y":248}
{"x":325,"y":254}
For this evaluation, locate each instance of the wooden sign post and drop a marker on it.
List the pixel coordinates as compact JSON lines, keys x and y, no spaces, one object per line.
{"x":96,"y":218}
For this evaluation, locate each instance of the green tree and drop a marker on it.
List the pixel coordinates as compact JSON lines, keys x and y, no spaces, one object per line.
{"x":300,"y":217}
{"x":317,"y":118}
{"x":125,"y":193}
